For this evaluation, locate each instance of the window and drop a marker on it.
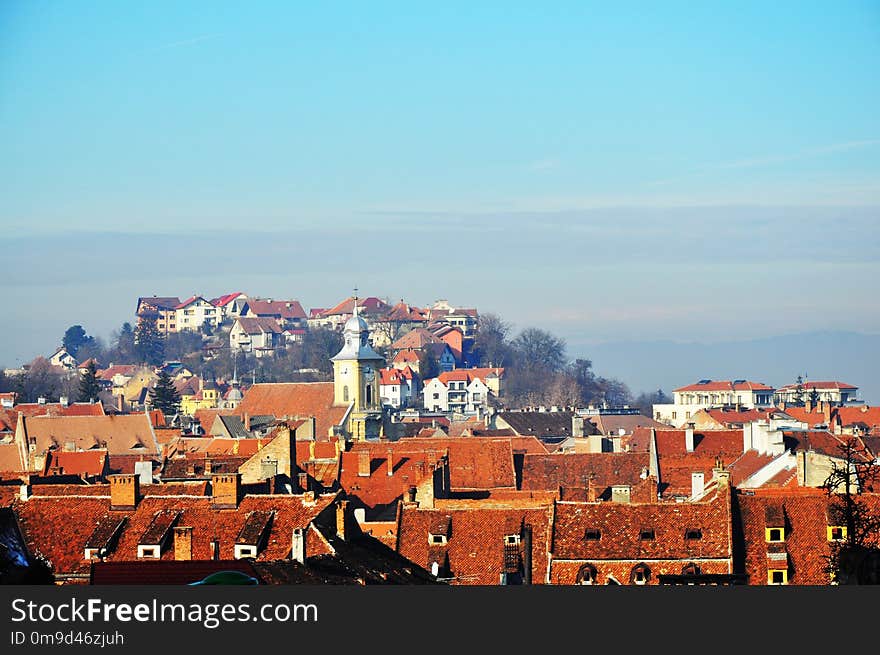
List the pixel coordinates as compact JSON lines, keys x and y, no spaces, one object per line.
{"x":151,"y":552}
{"x":437,"y":539}
{"x":345,"y":394}
{"x":836,"y":532}
{"x":777,"y":576}
{"x":687,"y":414}
{"x":674,"y":415}
{"x":775,"y":535}
{"x":244,"y":551}
{"x":476,"y":397}
{"x":592,"y":535}
{"x":640,"y":574}
{"x":646,"y":534}
{"x":436,"y":396}
{"x":511,"y":540}
{"x":587,"y":574}
{"x":693,"y":533}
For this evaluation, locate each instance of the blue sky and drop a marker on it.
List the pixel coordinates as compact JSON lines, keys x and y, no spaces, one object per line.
{"x":607,"y":170}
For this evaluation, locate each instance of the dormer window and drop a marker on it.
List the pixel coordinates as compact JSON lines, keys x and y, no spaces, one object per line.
{"x":437,"y":539}
{"x":693,"y":533}
{"x":587,"y":575}
{"x":774,"y":535}
{"x":836,"y":532}
{"x":777,"y":576}
{"x":646,"y":534}
{"x":511,"y":540}
{"x":592,"y":534}
{"x":640,"y":574}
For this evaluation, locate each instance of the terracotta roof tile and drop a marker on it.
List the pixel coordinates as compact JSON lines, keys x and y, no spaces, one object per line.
{"x":119,"y":434}
{"x":726,"y":385}
{"x":87,"y":462}
{"x":580,"y":470}
{"x":475,"y":549}
{"x":291,"y":399}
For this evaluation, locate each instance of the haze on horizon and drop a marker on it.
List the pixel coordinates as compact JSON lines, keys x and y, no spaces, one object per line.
{"x":685,"y":173}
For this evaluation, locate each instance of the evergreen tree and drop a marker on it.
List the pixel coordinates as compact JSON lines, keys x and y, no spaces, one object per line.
{"x":164,"y":396}
{"x":814,"y":397}
{"x":89,"y":388}
{"x":148,"y":343}
{"x":125,"y":347}
{"x":75,"y":337}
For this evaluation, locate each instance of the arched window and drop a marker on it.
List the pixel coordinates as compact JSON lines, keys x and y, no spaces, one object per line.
{"x":640,"y":574}
{"x":345,"y":394}
{"x":368,"y":395}
{"x":586,"y":574}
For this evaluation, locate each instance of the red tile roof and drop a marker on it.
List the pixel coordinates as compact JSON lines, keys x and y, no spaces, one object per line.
{"x":866,"y":415}
{"x":732,"y":418}
{"x":259,"y":325}
{"x":467,"y":375}
{"x":406,"y":356}
{"x":575,"y":470}
{"x":58,"y":527}
{"x":371,"y":305}
{"x":10,"y":458}
{"x":225,"y":300}
{"x":284,"y":309}
{"x":87,"y":462}
{"x":807,"y":516}
{"x":475,"y":540}
{"x":292,"y":399}
{"x":620,"y":524}
{"x":117,"y":369}
{"x":57,"y":409}
{"x":726,"y":385}
{"x":818,"y":385}
{"x":190,"y":301}
{"x":118,"y":434}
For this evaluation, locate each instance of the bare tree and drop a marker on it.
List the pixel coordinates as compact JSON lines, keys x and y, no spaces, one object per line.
{"x":855,"y":509}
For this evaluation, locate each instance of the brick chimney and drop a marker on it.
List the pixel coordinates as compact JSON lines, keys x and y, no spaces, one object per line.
{"x":183,"y":544}
{"x":364,"y":462}
{"x":125,"y":491}
{"x":246,"y":419}
{"x":808,"y":405}
{"x":577,"y":426}
{"x":120,"y":403}
{"x":390,"y":462}
{"x":341,"y":507}
{"x":298,"y":546}
{"x":689,"y":438}
{"x":826,"y":410}
{"x":302,"y":480}
{"x":225,"y":490}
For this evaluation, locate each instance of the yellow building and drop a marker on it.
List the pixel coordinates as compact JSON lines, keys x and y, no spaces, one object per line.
{"x":196,"y":394}
{"x":356,"y":380}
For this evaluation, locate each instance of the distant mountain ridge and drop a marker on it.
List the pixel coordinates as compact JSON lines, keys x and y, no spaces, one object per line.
{"x":829,"y":355}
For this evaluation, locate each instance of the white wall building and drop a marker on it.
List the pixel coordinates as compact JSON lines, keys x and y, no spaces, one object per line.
{"x":707,"y":394}
{"x":194,"y":312}
{"x":459,"y":391}
{"x":397,"y":387}
{"x":259,"y":336}
{"x":838,"y":393}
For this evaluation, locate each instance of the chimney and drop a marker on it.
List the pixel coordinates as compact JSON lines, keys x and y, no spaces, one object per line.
{"x":41,"y":400}
{"x":697,"y":484}
{"x":826,"y":410}
{"x":340,"y":518}
{"x":721,"y":476}
{"x":808,"y":405}
{"x":298,"y":546}
{"x":621,"y":493}
{"x":125,"y":491}
{"x":390,"y":462}
{"x":208,"y":465}
{"x":183,"y":544}
{"x":364,"y":463}
{"x":24,"y":492}
{"x":302,"y":480}
{"x":225,"y":490}
{"x":577,"y":426}
{"x":312,"y":449}
{"x":591,"y":491}
{"x":246,"y":419}
{"x":64,"y":401}
{"x":689,"y":438}
{"x":120,"y":403}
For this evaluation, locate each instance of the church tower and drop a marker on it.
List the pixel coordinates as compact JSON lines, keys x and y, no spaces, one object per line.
{"x":356,"y":379}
